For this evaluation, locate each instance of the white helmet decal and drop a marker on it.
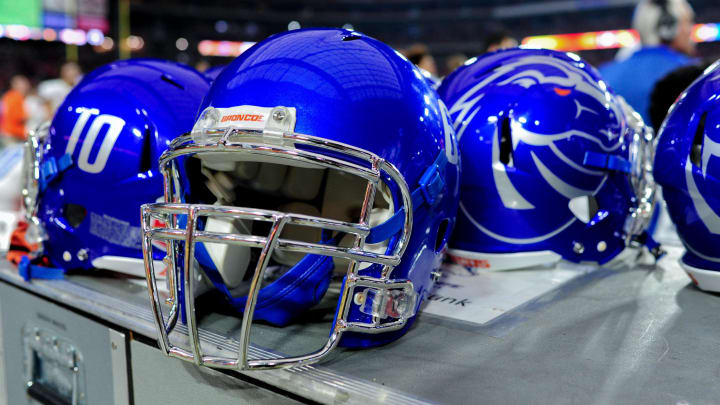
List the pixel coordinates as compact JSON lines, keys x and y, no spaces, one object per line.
{"x":706,"y":214}
{"x":521,"y":72}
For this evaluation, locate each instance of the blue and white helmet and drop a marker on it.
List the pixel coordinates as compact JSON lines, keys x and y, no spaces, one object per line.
{"x":555,"y":165}
{"x":688,"y":169}
{"x":318,"y":152}
{"x":90,"y":168}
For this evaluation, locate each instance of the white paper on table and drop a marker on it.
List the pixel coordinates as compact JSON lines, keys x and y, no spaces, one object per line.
{"x":480,"y":298}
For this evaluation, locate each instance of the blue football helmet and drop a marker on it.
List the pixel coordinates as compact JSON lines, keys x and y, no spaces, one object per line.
{"x":688,"y":169}
{"x":554,"y":164}
{"x":315,"y":150}
{"x":89,"y":170}
{"x":213,"y":72}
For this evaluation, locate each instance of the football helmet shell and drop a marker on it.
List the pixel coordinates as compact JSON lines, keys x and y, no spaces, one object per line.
{"x":326,"y":99}
{"x":91,"y":168}
{"x":550,"y":162}
{"x":688,"y":169}
{"x":213,"y":72}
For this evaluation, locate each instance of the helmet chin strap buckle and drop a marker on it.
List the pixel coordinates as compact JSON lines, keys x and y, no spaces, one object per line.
{"x":431,"y":183}
{"x":653,"y":246}
{"x":429,"y":191}
{"x":29,"y":271}
{"x":387,"y":303}
{"x":606,"y":161}
{"x":51,"y":168}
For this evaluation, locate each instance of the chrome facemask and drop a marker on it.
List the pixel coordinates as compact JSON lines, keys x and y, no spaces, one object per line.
{"x":642,"y":155}
{"x":32,"y":162}
{"x":161,"y":222}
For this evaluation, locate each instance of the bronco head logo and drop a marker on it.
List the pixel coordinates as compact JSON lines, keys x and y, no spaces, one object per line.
{"x":549,"y":106}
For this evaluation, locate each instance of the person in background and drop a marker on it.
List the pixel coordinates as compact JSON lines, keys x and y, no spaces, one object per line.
{"x":454,"y":61}
{"x":13,"y":110}
{"x":419,"y":54}
{"x":202,"y":65}
{"x":53,"y":91}
{"x":500,"y":39}
{"x":35,"y":109}
{"x":669,"y":88}
{"x":665,"y":28}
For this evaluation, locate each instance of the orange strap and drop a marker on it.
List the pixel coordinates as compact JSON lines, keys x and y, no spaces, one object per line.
{"x":19,"y":246}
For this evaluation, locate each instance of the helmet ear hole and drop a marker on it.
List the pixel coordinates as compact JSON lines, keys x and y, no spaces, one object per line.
{"x":146,"y":154}
{"x":74,"y":214}
{"x":442,"y":234}
{"x":696,"y":148}
{"x":505,"y":141}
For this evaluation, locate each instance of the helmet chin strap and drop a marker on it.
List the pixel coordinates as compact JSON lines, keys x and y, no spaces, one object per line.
{"x":28,"y":271}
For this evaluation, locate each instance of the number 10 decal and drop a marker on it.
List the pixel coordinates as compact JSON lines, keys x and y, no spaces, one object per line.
{"x":115,"y":126}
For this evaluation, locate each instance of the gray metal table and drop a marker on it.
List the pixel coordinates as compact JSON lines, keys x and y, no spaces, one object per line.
{"x":633,"y":336}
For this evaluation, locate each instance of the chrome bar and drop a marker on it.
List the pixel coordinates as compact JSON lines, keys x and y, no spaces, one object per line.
{"x":375,"y":327}
{"x":32,"y":160}
{"x":355,"y":254}
{"x":265,"y":150}
{"x":283,"y":244}
{"x":214,"y":136}
{"x":295,"y":361}
{"x":33,"y":155}
{"x":163,"y":339}
{"x":255,"y":289}
{"x":167,"y":234}
{"x":348,"y":290}
{"x":257,"y":214}
{"x":394,"y":173}
{"x":220,"y":210}
{"x":181,"y":354}
{"x":173,"y":277}
{"x":188,"y":281}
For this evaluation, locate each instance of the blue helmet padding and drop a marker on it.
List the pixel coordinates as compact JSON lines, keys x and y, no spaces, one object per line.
{"x":278,"y":303}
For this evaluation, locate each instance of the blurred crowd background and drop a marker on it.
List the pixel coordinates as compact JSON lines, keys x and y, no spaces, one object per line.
{"x":647,"y":50}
